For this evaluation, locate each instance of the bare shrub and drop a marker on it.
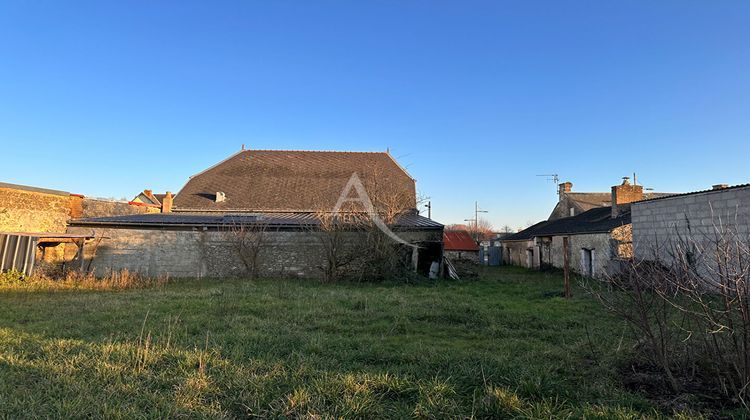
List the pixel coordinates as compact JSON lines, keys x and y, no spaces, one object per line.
{"x":353,"y":234}
{"x":248,"y":238}
{"x":690,"y":306}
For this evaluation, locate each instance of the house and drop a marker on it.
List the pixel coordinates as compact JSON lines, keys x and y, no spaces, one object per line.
{"x":598,"y":239}
{"x":285,"y":197}
{"x":154,"y":203}
{"x":693,"y":225}
{"x":459,"y":245}
{"x":572,"y":203}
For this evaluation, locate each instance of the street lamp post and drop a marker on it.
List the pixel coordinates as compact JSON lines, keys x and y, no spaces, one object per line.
{"x":476,"y":220}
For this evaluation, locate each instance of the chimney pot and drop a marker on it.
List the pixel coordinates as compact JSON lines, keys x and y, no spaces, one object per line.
{"x":566,"y":187}
{"x":719,"y":186}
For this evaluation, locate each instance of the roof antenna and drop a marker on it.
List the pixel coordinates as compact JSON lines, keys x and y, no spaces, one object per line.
{"x":243,"y":146}
{"x":388,"y":150}
{"x":552,"y":177}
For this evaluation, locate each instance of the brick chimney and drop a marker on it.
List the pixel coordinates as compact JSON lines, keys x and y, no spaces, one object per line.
{"x":623,"y":195}
{"x":565,"y":187}
{"x":166,"y":203}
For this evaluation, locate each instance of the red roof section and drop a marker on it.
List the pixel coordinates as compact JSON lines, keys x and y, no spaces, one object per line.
{"x":459,"y":240}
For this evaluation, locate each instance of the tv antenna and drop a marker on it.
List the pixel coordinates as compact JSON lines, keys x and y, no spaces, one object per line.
{"x":552,"y":177}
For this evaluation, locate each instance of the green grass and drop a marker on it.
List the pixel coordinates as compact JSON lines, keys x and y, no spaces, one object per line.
{"x":504,"y":346}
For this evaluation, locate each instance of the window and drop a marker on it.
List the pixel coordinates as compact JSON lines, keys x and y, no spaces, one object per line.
{"x":572,"y":211}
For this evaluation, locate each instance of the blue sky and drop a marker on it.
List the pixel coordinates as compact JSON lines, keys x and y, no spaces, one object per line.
{"x":106,"y":98}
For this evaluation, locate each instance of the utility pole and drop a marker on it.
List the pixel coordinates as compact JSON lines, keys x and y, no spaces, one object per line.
{"x":476,"y":220}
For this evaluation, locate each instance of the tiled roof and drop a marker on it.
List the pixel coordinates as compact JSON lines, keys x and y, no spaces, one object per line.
{"x":459,"y":240}
{"x":595,"y":220}
{"x":295,"y":181}
{"x":407,"y":221}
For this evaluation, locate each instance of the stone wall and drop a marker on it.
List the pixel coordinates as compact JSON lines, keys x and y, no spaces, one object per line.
{"x":97,"y":207}
{"x":463,"y":255}
{"x":601,"y":244}
{"x":608,"y":248}
{"x":29,"y":209}
{"x":198,"y":253}
{"x":33,"y":211}
{"x":658,"y":224}
{"x":515,"y":253}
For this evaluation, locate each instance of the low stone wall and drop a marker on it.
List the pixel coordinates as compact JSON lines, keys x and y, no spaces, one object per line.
{"x":209,"y":253}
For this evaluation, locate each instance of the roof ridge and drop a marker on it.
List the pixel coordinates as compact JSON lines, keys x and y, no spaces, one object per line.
{"x":314,"y":151}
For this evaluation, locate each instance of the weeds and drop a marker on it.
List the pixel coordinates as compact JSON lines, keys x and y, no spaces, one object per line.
{"x":75,"y":280}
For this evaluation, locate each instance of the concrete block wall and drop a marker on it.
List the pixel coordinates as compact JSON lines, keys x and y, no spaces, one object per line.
{"x":658,"y":224}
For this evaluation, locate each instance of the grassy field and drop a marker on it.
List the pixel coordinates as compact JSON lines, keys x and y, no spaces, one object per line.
{"x":506,"y":345}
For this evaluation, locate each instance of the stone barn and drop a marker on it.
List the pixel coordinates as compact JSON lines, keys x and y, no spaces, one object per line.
{"x":281,"y":203}
{"x":459,"y":245}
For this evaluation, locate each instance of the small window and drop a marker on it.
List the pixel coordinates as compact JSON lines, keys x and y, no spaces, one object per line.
{"x":572,"y":211}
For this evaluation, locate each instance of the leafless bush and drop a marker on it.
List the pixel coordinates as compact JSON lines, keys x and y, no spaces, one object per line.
{"x":353,"y":234}
{"x":248,"y":238}
{"x":690,"y":305}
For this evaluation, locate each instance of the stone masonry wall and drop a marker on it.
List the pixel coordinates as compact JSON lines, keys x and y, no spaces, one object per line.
{"x":31,"y":211}
{"x":96,"y":207}
{"x":658,"y":224}
{"x":600,"y":243}
{"x":198,"y":253}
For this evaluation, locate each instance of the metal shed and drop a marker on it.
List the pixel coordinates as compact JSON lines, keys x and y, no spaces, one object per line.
{"x":18,"y":249}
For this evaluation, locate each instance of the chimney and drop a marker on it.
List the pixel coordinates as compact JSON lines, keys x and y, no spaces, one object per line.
{"x":166,"y":203}
{"x":220,"y":197}
{"x":623,"y":195}
{"x":719,"y":186}
{"x":565,"y":187}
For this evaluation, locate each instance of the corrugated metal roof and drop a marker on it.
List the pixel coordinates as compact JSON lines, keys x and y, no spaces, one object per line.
{"x":459,"y":240}
{"x":217,"y":220}
{"x":733,"y":187}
